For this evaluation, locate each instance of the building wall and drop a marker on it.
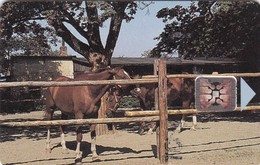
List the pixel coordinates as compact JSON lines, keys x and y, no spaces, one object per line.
{"x":35,"y":68}
{"x":41,"y":68}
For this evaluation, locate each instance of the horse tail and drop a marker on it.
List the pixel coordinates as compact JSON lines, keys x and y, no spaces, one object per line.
{"x":49,"y":102}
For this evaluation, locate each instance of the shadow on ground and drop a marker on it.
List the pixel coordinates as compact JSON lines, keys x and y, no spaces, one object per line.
{"x":85,"y":148}
{"x":38,"y":133}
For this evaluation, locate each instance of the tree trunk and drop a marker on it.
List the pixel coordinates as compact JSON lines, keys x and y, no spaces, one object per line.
{"x":98,"y":60}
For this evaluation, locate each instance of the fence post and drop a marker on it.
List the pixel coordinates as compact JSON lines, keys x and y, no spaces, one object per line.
{"x":163,"y":128}
{"x":156,"y":105}
{"x":102,"y":129}
{"x":155,"y":72}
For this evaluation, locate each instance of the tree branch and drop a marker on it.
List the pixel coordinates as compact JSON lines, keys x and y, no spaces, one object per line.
{"x":70,"y":39}
{"x":75,"y":24}
{"x":27,"y":19}
{"x":115,"y":26}
{"x":93,"y":32}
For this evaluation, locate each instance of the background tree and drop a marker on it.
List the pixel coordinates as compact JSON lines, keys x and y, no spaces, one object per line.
{"x":86,"y":17}
{"x":25,"y":45}
{"x":210,"y":29}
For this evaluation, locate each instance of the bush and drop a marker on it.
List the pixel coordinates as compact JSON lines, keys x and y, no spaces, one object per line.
{"x":129,"y":102}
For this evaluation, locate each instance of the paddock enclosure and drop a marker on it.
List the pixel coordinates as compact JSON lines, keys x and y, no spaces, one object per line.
{"x":164,"y":138}
{"x":47,"y":68}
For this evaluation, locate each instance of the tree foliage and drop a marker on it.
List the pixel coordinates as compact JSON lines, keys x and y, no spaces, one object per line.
{"x":210,"y":29}
{"x":86,"y":17}
{"x":28,"y":45}
{"x":25,"y":45}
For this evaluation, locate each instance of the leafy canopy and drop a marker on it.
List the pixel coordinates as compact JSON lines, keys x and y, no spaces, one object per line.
{"x":86,"y":17}
{"x":210,"y":29}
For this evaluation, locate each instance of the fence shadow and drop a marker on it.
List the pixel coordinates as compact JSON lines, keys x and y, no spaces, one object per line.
{"x":40,"y":132}
{"x":34,"y":133}
{"x":244,"y":116}
{"x":177,"y":153}
{"x":213,"y":149}
{"x":85,"y":148}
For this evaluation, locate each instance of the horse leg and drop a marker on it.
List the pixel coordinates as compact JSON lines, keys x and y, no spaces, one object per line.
{"x":48,"y":116}
{"x":143,"y":125}
{"x":185,"y":104}
{"x":152,"y":128}
{"x":62,"y":135}
{"x":79,"y":139}
{"x":142,"y":128}
{"x":111,"y":126}
{"x":194,"y":118}
{"x":93,"y":142}
{"x":181,"y":123}
{"x":194,"y":122}
{"x":50,"y":107}
{"x":48,"y":141}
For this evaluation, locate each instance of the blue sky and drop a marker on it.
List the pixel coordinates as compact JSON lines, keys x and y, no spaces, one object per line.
{"x":137,"y":36}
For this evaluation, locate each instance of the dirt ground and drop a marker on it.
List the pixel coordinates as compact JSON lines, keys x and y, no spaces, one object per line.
{"x":232,"y":138}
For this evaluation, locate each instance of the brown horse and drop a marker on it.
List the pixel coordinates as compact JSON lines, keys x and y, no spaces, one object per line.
{"x":114,"y":97}
{"x":115,"y":94}
{"x":81,"y":102}
{"x":178,"y":90}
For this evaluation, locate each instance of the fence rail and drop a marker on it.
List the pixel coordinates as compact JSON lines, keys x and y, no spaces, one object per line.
{"x":196,"y":75}
{"x":181,"y":111}
{"x":80,"y":121}
{"x":147,"y":79}
{"x":77,"y":83}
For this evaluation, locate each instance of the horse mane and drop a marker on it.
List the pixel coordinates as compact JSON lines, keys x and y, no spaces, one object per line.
{"x":63,"y":78}
{"x":91,"y":73}
{"x":100,"y":70}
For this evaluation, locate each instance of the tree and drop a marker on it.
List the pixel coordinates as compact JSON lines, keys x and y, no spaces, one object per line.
{"x":210,"y":29}
{"x":28,"y":45}
{"x":84,"y":16}
{"x":25,"y":45}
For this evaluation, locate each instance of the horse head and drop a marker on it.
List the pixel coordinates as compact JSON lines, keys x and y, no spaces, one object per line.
{"x":117,"y":91}
{"x":113,"y":100}
{"x":119,"y":73}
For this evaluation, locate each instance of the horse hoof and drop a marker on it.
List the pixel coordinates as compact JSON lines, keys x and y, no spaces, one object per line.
{"x":193,"y":129}
{"x":65,"y":151}
{"x":141,"y":132}
{"x":78,"y":161}
{"x":96,"y":159}
{"x":150,"y":132}
{"x":178,"y":130}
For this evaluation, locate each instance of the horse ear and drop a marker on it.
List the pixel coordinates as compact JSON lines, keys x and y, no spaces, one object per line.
{"x":113,"y":70}
{"x":120,"y":67}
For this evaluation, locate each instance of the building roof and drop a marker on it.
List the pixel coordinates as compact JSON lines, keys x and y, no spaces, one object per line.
{"x":42,"y":57}
{"x":139,"y":61}
{"x":135,"y":61}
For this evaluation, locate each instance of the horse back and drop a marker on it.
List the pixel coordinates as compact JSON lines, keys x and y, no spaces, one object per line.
{"x":178,"y":90}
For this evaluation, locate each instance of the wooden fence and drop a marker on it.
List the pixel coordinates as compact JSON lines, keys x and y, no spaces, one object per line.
{"x":161,"y":104}
{"x":162,"y":84}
